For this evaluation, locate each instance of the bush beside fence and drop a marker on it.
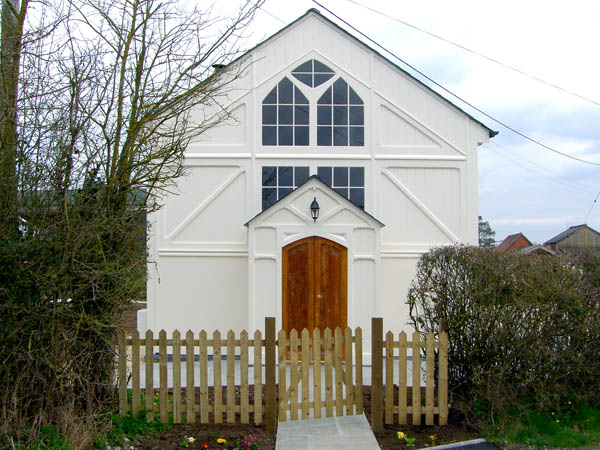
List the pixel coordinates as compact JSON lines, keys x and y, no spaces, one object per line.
{"x":524,"y":330}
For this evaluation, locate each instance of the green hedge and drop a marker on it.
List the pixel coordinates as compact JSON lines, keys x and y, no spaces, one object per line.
{"x":523,"y":330}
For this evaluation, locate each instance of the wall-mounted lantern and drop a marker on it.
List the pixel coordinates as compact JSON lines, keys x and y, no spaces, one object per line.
{"x":314,"y":209}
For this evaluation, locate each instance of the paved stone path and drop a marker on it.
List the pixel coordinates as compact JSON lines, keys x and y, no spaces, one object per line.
{"x":330,"y":433}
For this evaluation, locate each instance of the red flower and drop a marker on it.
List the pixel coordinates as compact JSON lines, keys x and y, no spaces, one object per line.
{"x":204,"y":445}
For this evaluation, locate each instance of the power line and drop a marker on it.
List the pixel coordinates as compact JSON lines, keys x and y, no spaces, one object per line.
{"x":481,"y":55}
{"x":538,"y":173}
{"x":272,"y":15}
{"x":592,"y":207}
{"x":508,"y":127}
{"x":574,"y":183}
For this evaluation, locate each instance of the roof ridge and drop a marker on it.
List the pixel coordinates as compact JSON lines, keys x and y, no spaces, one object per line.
{"x":318,"y":13}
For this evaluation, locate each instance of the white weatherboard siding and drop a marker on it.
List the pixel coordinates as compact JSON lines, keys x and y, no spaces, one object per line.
{"x":210,"y":271}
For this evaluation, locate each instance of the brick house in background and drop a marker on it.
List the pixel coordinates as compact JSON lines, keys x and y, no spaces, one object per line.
{"x":514,"y":242}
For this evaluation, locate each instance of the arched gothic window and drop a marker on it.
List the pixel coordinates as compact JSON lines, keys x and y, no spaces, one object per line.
{"x":340,"y":111}
{"x":340,"y":116}
{"x":285,"y":116}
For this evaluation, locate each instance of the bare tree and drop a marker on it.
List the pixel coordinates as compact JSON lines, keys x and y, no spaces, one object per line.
{"x":99,"y":102}
{"x":12,"y":19}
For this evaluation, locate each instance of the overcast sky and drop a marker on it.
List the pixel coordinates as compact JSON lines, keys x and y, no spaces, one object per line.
{"x":522,"y":186}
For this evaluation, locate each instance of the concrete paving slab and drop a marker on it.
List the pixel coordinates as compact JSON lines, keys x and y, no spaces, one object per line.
{"x":326,"y":434}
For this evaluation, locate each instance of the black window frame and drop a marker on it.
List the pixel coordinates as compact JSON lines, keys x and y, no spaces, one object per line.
{"x":285,"y":116}
{"x":350,"y":186}
{"x":276,"y":189}
{"x":313,"y":73}
{"x":340,"y":117}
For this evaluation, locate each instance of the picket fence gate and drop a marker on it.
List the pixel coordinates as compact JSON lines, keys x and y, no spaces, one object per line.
{"x":333,"y":359}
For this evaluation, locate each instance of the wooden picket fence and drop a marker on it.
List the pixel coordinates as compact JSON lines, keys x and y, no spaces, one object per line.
{"x":398,"y":405}
{"x":329,"y":363}
{"x":332,"y":354}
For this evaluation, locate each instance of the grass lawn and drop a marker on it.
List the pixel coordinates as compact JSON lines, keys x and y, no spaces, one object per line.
{"x":575,"y":427}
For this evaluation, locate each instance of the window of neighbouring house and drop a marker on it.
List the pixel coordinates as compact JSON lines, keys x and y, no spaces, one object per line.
{"x":340,"y":116}
{"x":313,"y":73}
{"x":279,"y":181}
{"x":348,"y":181}
{"x":285,"y":116}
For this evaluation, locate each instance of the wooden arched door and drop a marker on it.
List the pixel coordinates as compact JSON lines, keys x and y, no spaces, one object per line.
{"x":315,"y":284}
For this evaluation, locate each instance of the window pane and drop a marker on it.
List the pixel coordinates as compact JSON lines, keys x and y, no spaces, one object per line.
{"x":271,"y":97}
{"x":340,"y":115}
{"x":321,"y":78}
{"x":340,"y":176}
{"x":301,"y":115}
{"x":269,"y":176}
{"x":340,"y":136}
{"x":320,"y":67}
{"x":325,"y":174}
{"x":356,"y":115}
{"x":300,"y":98}
{"x":357,"y":196}
{"x":305,"y":78}
{"x":284,"y":191}
{"x":325,"y":98}
{"x":357,"y":136}
{"x":357,"y":176}
{"x":285,"y":176}
{"x":285,"y":115}
{"x":343,"y":191}
{"x":323,"y":135}
{"x":285,"y":135}
{"x":305,"y":67}
{"x":269,"y":135}
{"x":340,"y":92}
{"x":323,"y":115}
{"x":300,"y":135}
{"x":354,"y":98}
{"x":269,"y":196}
{"x":269,"y":115}
{"x":285,"y":91}
{"x":300,"y":175}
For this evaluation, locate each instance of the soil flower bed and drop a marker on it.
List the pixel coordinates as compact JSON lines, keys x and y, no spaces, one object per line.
{"x":228,"y":436}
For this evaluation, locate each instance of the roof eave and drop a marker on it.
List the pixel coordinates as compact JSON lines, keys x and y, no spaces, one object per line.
{"x":336,"y":193}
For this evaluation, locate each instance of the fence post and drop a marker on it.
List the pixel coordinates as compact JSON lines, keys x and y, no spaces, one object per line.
{"x":123,"y":406}
{"x":271,"y":406}
{"x":443,"y":378}
{"x":377,"y":374}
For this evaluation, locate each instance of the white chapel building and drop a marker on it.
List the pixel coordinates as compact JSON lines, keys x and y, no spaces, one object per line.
{"x":321,"y":120}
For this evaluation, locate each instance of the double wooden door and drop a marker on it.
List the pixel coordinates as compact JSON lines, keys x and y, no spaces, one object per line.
{"x":315,"y":285}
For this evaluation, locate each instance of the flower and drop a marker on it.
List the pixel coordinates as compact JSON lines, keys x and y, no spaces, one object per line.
{"x":400,"y":435}
{"x":187,"y":441}
{"x":433,"y":437}
{"x":221,"y":441}
{"x":251,"y":438}
{"x":204,"y":445}
{"x":557,"y":421}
